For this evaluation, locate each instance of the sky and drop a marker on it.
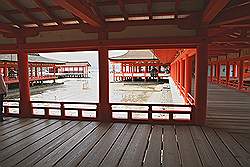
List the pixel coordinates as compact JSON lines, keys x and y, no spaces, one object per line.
{"x":90,"y":56}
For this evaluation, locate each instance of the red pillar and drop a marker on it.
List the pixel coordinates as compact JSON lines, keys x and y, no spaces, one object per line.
{"x":31,"y":71}
{"x":25,"y":108}
{"x":182,"y":72}
{"x":104,"y":108}
{"x":227,"y":72}
{"x":201,"y":64}
{"x":178,"y":72}
{"x":41,"y":70}
{"x":5,"y":72}
{"x":234,"y":71}
{"x":218,"y":72}
{"x":188,"y":75}
{"x":54,"y":70}
{"x":240,"y":74}
{"x":211,"y":72}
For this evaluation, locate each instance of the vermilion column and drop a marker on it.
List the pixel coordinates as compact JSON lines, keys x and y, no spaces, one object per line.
{"x":41,"y":70}
{"x":25,"y":108}
{"x":5,"y":72}
{"x":104,"y":109}
{"x":240,"y":74}
{"x":201,"y":64}
{"x":227,"y":72}
{"x":178,"y":72}
{"x":182,"y":72}
{"x":218,"y":72}
{"x":234,"y":71}
{"x":188,"y":75}
{"x":211,"y":72}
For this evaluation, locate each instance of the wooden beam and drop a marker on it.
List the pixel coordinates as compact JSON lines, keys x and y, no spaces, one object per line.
{"x":81,"y":10}
{"x":25,"y":11}
{"x":10,"y":18}
{"x":5,"y":28}
{"x":213,"y":8}
{"x":149,"y":5}
{"x":123,"y":9}
{"x":232,"y":15}
{"x":47,"y":11}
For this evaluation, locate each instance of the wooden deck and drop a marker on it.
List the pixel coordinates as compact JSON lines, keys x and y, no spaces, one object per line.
{"x":41,"y":142}
{"x":228,"y":109}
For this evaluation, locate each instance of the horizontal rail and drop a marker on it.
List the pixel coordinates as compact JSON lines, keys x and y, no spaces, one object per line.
{"x":152,"y":113}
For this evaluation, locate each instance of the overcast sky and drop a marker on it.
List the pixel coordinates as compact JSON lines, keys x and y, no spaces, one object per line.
{"x":90,"y":56}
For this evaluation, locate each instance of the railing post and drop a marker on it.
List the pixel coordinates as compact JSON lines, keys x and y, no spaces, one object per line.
{"x":62,"y":110}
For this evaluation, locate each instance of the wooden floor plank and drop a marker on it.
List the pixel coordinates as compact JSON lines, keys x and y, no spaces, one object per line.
{"x":21,"y":129}
{"x":13,"y":123}
{"x":18,"y":146}
{"x":17,"y":126}
{"x":171,"y":155}
{"x":206,"y":153}
{"x":117,"y":150}
{"x":225,"y":156}
{"x":230,"y":106}
{"x":10,"y":141}
{"x":19,"y":156}
{"x":134,"y":153}
{"x":83,"y":148}
{"x":239,"y":153}
{"x":63,"y":149}
{"x":51,"y":146}
{"x":188,"y":152}
{"x":243,"y":140}
{"x":8,"y":120}
{"x":153,"y":156}
{"x":95,"y":156}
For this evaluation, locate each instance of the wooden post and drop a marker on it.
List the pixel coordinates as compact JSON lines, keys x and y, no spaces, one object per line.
{"x":25,"y":108}
{"x":240,"y":74}
{"x":104,"y":108}
{"x":201,"y":64}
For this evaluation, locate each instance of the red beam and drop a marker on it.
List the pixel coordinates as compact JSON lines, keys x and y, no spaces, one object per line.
{"x":213,"y":9}
{"x":81,"y":10}
{"x":5,"y":28}
{"x":123,"y":9}
{"x":232,"y":15}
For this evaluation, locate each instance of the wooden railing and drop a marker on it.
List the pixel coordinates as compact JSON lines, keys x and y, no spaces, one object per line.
{"x":55,"y":110}
{"x":152,"y":113}
{"x":189,"y":98}
{"x":122,"y":112}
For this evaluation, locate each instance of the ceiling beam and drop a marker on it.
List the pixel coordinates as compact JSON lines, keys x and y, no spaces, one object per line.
{"x":5,"y":28}
{"x":81,"y":10}
{"x":149,"y":5}
{"x":232,"y":15}
{"x":213,"y":8}
{"x":24,"y":11}
{"x":47,"y":11}
{"x":123,"y":9}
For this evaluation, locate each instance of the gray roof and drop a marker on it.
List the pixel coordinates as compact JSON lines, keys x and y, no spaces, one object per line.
{"x":136,"y":55}
{"x":33,"y":58}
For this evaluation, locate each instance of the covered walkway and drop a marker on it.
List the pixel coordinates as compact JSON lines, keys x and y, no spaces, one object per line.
{"x":42,"y":142}
{"x":228,"y":108}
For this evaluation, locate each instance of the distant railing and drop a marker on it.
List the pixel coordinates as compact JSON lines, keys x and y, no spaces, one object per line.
{"x":122,"y":112}
{"x":189,"y":98}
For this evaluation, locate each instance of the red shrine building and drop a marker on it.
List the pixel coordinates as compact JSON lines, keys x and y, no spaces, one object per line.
{"x":205,"y":44}
{"x":137,"y":65}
